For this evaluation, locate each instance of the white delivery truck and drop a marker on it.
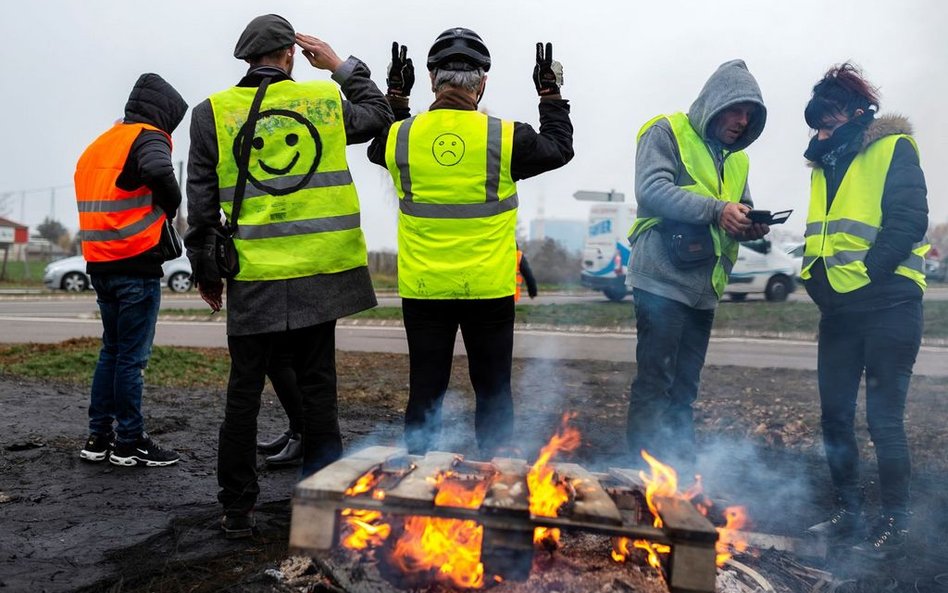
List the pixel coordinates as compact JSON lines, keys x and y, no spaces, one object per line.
{"x":759,"y":268}
{"x":762,"y":269}
{"x":606,"y":250}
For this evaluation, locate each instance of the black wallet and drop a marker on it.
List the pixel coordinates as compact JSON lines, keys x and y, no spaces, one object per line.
{"x":765,"y":216}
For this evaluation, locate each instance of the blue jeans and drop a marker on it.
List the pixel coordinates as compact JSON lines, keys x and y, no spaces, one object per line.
{"x":129,"y":309}
{"x":883,"y":344}
{"x":672,"y":340}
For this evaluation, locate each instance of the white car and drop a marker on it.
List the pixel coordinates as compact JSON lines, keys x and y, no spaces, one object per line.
{"x":70,"y":274}
{"x":762,"y":269}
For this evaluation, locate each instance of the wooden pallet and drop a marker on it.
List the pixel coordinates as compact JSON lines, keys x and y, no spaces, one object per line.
{"x":507,"y":548}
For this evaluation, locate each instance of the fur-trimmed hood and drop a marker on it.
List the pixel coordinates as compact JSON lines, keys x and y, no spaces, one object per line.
{"x":884,"y":125}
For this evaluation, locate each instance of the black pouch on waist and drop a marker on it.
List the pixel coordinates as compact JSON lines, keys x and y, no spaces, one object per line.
{"x":689,"y":245}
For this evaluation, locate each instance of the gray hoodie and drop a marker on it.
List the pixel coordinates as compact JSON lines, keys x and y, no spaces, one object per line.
{"x":660,"y":175}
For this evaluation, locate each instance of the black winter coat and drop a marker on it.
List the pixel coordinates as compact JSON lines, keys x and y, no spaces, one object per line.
{"x":904,"y":223}
{"x":155,"y":102}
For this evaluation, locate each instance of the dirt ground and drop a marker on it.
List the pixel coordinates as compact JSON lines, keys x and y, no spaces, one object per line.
{"x":67,"y":525}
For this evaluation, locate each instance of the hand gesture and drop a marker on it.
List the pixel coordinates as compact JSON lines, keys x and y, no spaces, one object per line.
{"x":401,"y":72}
{"x":318,"y":52}
{"x":548,"y":73}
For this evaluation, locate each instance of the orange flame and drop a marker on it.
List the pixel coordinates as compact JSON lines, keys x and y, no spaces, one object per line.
{"x":663,"y":481}
{"x":451,"y":547}
{"x":730,"y":538}
{"x":547,"y":492}
{"x":365,"y":528}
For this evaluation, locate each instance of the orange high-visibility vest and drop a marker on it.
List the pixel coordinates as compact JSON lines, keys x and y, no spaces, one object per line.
{"x":519,"y":277}
{"x":114,"y":223}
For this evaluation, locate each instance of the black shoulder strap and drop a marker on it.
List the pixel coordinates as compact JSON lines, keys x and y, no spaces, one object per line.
{"x":243,"y":156}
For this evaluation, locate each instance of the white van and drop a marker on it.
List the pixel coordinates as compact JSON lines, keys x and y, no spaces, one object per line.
{"x":606,"y":250}
{"x":762,"y":269}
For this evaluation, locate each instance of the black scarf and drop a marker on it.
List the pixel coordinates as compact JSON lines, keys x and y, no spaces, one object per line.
{"x":845,"y":139}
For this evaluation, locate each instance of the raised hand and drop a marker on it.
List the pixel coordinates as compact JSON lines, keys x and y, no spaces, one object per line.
{"x":318,"y":52}
{"x":548,"y":73}
{"x":401,"y":72}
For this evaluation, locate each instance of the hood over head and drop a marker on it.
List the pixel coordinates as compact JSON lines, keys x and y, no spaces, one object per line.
{"x":154,"y":101}
{"x":731,"y":83}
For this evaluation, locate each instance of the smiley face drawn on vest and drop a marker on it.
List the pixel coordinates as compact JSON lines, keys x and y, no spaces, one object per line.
{"x":448,"y":149}
{"x":285,"y":144}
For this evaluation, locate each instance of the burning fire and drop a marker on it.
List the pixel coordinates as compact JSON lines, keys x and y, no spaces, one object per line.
{"x":365,"y":528}
{"x":547,"y":492}
{"x":451,"y":547}
{"x":730,"y":539}
{"x":663,"y":482}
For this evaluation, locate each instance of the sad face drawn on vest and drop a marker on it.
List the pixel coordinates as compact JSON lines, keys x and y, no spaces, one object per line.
{"x":448,"y":149}
{"x":284,"y":153}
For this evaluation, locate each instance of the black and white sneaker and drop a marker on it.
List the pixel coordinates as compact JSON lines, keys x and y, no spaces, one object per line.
{"x":98,"y":447}
{"x":144,"y":451}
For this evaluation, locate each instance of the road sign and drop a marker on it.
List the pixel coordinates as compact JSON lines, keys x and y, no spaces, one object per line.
{"x":599,"y":196}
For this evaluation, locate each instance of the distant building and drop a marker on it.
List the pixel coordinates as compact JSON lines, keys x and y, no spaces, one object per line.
{"x":569,"y":233}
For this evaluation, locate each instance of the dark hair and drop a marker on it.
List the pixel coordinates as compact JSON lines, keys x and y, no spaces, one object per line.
{"x":271,"y":56}
{"x":842,"y":91}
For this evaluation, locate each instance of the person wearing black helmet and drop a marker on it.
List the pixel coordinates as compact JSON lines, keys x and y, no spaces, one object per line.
{"x":455,"y":171}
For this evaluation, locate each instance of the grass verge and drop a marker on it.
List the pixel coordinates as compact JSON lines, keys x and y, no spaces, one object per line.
{"x":73,"y":361}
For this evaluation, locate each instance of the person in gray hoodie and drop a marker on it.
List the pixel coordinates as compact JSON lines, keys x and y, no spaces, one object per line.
{"x":692,"y":195}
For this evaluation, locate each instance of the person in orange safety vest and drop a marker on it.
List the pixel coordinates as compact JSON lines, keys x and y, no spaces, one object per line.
{"x":126,"y":190}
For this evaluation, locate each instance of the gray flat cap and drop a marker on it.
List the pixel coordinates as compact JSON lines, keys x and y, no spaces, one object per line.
{"x":264,"y":34}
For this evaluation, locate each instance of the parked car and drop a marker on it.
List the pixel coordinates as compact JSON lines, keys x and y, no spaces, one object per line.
{"x":69,"y":274}
{"x":762,"y":269}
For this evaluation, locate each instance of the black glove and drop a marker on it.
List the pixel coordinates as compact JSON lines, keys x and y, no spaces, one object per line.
{"x":547,"y":74}
{"x":401,"y":72}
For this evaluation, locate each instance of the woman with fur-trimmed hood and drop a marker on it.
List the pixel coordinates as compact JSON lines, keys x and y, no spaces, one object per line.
{"x":863,"y":266}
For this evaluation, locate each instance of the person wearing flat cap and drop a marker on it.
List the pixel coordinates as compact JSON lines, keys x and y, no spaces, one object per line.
{"x":270,"y":153}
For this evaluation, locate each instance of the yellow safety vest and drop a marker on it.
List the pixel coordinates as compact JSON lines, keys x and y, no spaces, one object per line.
{"x":699,"y":163}
{"x":842,"y":236}
{"x":457,"y":205}
{"x":300,"y":212}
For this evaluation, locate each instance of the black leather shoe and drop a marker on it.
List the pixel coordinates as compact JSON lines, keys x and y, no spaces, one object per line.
{"x":277,"y":444}
{"x":886,"y":539}
{"x":238,"y":526}
{"x":840,"y":526}
{"x":292,"y":453}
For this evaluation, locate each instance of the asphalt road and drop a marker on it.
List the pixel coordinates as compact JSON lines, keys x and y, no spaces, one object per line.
{"x":51,"y":321}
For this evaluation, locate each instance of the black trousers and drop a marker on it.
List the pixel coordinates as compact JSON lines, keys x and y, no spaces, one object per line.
{"x":487,"y":329}
{"x":672,"y":341}
{"x":283,"y":378}
{"x":314,"y":362}
{"x":883,"y":345}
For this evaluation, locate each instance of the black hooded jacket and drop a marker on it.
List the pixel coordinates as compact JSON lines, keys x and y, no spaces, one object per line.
{"x":904,"y":223}
{"x":155,"y":102}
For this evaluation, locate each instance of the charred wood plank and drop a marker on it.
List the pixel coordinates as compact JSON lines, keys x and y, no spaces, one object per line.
{"x":417,"y":488}
{"x":313,"y":524}
{"x":332,"y":481}
{"x":508,"y":551}
{"x":593,"y":503}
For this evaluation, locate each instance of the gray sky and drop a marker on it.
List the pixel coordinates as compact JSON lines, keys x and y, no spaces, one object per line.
{"x":68,"y":67}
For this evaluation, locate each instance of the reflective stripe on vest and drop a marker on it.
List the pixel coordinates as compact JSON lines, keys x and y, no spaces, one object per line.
{"x":457,"y":205}
{"x":842,"y":235}
{"x":114,"y":223}
{"x":698,"y":162}
{"x":299,"y":215}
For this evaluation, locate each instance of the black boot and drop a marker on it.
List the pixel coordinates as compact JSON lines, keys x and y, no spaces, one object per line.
{"x":292,"y":453}
{"x":886,"y":539}
{"x":276,"y":444}
{"x":842,"y":525}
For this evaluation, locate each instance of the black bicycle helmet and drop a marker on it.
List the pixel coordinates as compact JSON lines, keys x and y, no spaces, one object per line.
{"x":459,"y":47}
